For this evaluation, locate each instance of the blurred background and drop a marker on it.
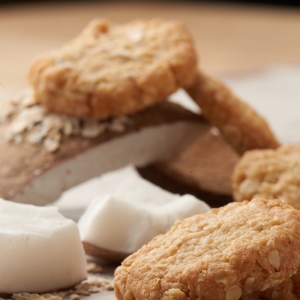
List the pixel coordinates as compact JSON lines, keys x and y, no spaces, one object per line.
{"x":269,"y":2}
{"x":231,"y":37}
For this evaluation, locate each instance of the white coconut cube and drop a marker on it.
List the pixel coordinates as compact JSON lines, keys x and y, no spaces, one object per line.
{"x":126,"y":219}
{"x":41,"y":250}
{"x":73,"y":202}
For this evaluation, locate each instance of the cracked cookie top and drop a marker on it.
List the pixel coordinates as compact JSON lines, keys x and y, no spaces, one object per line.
{"x":234,"y":250}
{"x":111,"y":70}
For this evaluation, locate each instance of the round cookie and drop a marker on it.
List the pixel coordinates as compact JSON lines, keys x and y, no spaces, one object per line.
{"x":242,"y":127}
{"x":239,"y":248}
{"x":269,"y":174}
{"x":110,"y":69}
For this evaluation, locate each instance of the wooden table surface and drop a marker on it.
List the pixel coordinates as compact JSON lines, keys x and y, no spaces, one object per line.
{"x":229,"y":39}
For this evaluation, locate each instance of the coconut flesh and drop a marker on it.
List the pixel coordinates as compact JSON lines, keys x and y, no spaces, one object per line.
{"x":132,"y":212}
{"x":41,"y":250}
{"x":75,"y":200}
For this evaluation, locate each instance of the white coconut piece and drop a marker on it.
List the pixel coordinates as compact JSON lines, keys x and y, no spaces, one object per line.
{"x":154,"y":143}
{"x":136,"y":212}
{"x":75,"y":201}
{"x":41,"y":250}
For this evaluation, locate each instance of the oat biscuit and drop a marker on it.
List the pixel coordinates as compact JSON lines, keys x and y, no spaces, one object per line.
{"x":269,"y":174}
{"x":239,"y":123}
{"x":111,"y":69}
{"x":239,"y":248}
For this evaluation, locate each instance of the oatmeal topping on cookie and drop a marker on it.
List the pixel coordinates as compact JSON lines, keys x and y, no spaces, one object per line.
{"x":111,"y":70}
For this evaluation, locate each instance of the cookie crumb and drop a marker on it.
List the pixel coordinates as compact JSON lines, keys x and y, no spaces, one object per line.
{"x":29,"y":296}
{"x":93,"y":268}
{"x":118,"y":124}
{"x":90,"y":286}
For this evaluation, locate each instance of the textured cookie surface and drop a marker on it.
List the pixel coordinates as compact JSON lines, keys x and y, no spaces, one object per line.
{"x":270,"y":174}
{"x":239,"y":123}
{"x":112,"y":69}
{"x":239,"y":248}
{"x":287,"y":290}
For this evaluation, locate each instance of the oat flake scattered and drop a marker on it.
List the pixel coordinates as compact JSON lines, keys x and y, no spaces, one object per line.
{"x":93,"y":268}
{"x":6,"y":110}
{"x":29,"y":122}
{"x":118,"y":124}
{"x":51,"y":145}
{"x":92,"y":128}
{"x":86,"y":288}
{"x":28,"y":296}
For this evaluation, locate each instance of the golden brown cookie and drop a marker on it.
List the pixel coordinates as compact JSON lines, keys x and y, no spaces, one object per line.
{"x":239,"y":248}
{"x":287,"y":290}
{"x":239,"y":123}
{"x":270,"y":174}
{"x":110,"y":69}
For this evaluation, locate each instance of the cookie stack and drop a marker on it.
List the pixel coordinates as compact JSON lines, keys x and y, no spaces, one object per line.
{"x":111,"y":70}
{"x":101,"y":98}
{"x":246,"y":250}
{"x":96,"y":105}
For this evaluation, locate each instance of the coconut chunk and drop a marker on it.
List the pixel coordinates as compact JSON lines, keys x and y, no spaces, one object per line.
{"x":137,"y":211}
{"x":75,"y":200}
{"x":41,"y":250}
